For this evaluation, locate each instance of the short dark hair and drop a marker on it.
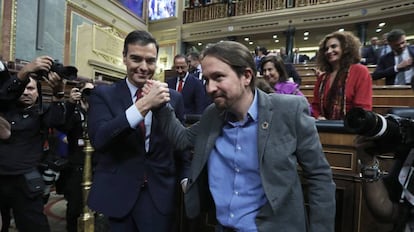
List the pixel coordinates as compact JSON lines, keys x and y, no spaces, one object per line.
{"x":395,"y":35}
{"x":139,"y":37}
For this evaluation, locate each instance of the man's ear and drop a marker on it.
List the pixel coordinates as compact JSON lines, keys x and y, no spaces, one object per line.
{"x":248,"y":73}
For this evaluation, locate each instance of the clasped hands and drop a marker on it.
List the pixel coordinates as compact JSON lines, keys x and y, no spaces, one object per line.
{"x":156,"y":94}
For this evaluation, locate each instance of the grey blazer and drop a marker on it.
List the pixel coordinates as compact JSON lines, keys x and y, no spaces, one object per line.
{"x":287,"y":136}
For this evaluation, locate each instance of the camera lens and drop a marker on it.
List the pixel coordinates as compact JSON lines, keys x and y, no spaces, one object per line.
{"x":370,"y":124}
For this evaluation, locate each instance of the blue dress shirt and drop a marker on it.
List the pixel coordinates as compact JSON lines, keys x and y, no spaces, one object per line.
{"x":233,"y":172}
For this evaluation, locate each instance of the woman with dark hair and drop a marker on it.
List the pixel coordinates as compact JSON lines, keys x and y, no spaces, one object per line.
{"x":343,"y":83}
{"x":275,"y":73}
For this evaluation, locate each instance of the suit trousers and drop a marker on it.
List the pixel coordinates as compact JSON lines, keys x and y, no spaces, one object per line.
{"x":144,"y":217}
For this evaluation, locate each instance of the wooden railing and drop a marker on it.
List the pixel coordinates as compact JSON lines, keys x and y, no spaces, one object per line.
{"x":242,"y":7}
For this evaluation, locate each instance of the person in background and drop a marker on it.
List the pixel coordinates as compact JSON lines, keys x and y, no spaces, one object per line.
{"x":343,"y":83}
{"x":283,"y":54}
{"x":247,"y":146}
{"x":195,"y":66}
{"x":370,"y":52}
{"x":275,"y":73}
{"x":189,"y":86}
{"x":72,"y":176}
{"x":384,"y":47}
{"x":135,"y":178}
{"x":259,"y":53}
{"x":291,"y":72}
{"x":21,"y":184}
{"x":397,"y":65}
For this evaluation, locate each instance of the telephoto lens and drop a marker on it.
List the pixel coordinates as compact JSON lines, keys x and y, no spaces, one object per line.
{"x":370,"y":124}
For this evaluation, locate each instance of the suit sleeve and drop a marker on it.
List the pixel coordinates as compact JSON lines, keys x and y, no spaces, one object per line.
{"x":316,"y":171}
{"x":384,"y":68}
{"x":183,"y":158}
{"x":108,"y":126}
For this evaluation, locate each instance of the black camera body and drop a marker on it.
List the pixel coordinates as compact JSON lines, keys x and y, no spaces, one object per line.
{"x":65,"y":72}
{"x":390,"y":130}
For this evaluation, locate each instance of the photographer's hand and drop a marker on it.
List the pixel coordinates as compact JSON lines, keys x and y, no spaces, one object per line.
{"x":75,"y":95}
{"x":57,"y":85}
{"x":40,"y":63}
{"x":365,"y":149}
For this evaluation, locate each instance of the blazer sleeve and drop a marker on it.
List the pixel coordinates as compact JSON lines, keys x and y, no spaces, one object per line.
{"x":385,"y":67}
{"x":107,"y":122}
{"x":316,"y":171}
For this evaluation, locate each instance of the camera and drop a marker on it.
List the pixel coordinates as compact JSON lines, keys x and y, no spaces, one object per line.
{"x":65,"y":72}
{"x":390,"y":130}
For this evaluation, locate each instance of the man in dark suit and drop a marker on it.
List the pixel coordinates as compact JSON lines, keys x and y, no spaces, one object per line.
{"x":135,"y":179}
{"x":396,"y":66}
{"x":189,"y":86}
{"x":370,"y":53}
{"x":247,"y":146}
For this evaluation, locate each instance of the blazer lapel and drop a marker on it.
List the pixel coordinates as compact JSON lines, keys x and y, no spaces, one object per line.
{"x":212,"y":130}
{"x":264,"y":122}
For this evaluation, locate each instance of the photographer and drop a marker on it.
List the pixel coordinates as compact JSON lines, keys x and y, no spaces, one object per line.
{"x":21,"y":184}
{"x":389,"y":197}
{"x":71,"y":178}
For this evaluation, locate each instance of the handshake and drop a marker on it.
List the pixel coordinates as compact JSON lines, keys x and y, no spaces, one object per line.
{"x":155,"y":95}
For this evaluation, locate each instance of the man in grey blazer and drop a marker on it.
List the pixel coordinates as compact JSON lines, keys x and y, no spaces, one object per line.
{"x":247,"y":147}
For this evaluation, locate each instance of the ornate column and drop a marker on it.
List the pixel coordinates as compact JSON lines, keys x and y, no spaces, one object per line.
{"x":290,"y":36}
{"x":362,"y":32}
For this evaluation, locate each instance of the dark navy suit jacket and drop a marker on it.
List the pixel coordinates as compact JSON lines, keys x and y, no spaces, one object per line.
{"x":193,"y":92}
{"x":385,"y":67}
{"x":122,"y":160}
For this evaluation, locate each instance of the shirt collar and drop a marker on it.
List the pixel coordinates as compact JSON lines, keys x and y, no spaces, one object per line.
{"x":252,"y":113}
{"x":132,"y":88}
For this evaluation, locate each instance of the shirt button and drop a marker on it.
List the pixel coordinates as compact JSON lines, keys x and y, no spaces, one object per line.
{"x":236,"y":192}
{"x":237,"y":170}
{"x":231,"y":215}
{"x":238,"y":147}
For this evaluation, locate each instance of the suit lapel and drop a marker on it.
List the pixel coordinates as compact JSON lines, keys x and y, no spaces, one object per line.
{"x":122,"y":92}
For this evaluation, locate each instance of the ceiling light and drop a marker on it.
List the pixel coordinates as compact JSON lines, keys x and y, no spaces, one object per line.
{"x":306,"y":33}
{"x":341,"y":29}
{"x":199,"y":43}
{"x":381,"y":24}
{"x":251,"y":42}
{"x":276,"y":41}
{"x":305,"y":38}
{"x":378,"y":30}
{"x":274,"y":36}
{"x":246,"y":39}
